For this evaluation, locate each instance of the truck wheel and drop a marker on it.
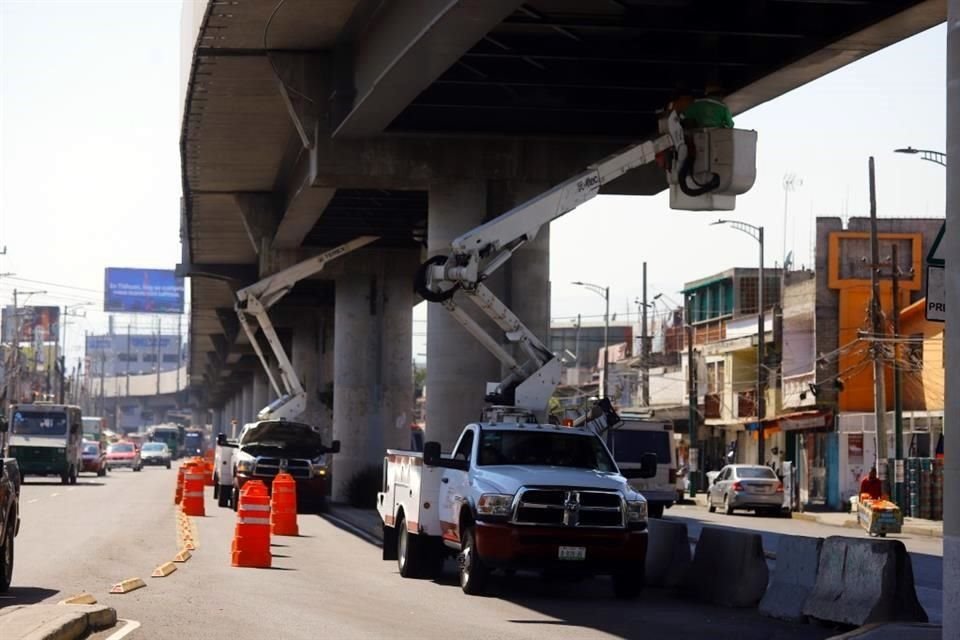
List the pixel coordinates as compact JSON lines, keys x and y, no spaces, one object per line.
{"x":6,"y":560}
{"x":655,"y":509}
{"x":168,"y":464}
{"x":222,"y":494}
{"x":473,"y":575}
{"x":64,"y":478}
{"x":408,"y":560}
{"x":727,"y":507}
{"x":73,"y":475}
{"x":216,"y":487}
{"x":629,"y":582}
{"x":234,"y":497}
{"x":102,"y":471}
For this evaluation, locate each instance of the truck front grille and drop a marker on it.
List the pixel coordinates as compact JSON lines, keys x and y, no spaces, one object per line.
{"x":569,"y":508}
{"x":269,"y":467}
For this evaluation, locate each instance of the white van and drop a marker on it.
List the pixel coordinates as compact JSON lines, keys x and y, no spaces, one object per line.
{"x":636,"y":436}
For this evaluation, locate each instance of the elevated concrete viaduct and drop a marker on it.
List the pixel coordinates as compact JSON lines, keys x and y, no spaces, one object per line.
{"x":307,"y":123}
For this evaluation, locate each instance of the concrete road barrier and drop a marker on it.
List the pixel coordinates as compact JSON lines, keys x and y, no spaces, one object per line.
{"x":861,"y":581}
{"x":798,"y":559}
{"x":668,"y":553}
{"x":728,"y":568}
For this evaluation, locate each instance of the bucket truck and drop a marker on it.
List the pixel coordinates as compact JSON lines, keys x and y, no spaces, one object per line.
{"x":305,"y":457}
{"x":516,"y":492}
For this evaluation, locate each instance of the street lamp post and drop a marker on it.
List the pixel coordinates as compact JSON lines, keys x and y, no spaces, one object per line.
{"x":756,"y":233}
{"x":605,"y":293}
{"x":937,"y":157}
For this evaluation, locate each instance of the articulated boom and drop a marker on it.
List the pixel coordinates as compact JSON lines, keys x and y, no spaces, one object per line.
{"x":720,"y":166}
{"x":255,"y":300}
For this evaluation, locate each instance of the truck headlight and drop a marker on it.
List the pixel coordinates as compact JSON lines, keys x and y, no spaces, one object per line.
{"x":636,"y":511}
{"x":245,"y":466}
{"x":495,"y":505}
{"x":318,"y":470}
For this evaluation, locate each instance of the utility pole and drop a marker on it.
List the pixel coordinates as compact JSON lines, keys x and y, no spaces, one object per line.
{"x":103,"y":397}
{"x":644,"y":344}
{"x":606,"y":341}
{"x":897,"y":386}
{"x":876,"y":321}
{"x":761,"y":369}
{"x":157,"y":363}
{"x":693,"y":453}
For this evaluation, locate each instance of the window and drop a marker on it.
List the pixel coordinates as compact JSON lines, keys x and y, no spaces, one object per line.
{"x":747,"y":473}
{"x":715,"y":374}
{"x":127,"y":357}
{"x":630,"y":446}
{"x":169,"y":357}
{"x":149,"y":357}
{"x":465,"y":448}
{"x":36,"y":423}
{"x":544,"y":448}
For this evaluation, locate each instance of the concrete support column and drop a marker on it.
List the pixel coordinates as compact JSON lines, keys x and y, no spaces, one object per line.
{"x":218,"y":421}
{"x":260,"y":385}
{"x":373,"y":361}
{"x":951,"y":418}
{"x":246,"y":407}
{"x":311,"y":355}
{"x":458,"y":367}
{"x":198,"y":417}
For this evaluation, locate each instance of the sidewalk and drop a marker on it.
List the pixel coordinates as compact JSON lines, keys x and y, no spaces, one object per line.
{"x":366,"y":521}
{"x":912,"y":526}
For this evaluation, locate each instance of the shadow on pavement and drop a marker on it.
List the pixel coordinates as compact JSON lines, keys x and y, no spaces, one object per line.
{"x":25,"y":595}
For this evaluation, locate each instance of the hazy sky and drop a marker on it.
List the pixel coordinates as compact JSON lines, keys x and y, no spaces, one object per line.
{"x":89,"y":170}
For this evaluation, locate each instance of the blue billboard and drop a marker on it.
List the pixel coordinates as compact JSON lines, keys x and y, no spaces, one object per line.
{"x":142,"y":291}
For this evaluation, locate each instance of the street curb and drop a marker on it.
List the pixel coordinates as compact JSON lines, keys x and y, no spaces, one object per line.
{"x":354,"y":529}
{"x":68,"y":622}
{"x":853,"y":524}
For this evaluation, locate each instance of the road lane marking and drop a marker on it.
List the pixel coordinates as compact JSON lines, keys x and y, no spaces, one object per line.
{"x":32,"y":501}
{"x":129,"y":627}
{"x":71,"y":488}
{"x":54,"y":495}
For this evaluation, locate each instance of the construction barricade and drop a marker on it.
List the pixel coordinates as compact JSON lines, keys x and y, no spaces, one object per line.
{"x":251,"y":538}
{"x":192,"y":502}
{"x":283,"y":506}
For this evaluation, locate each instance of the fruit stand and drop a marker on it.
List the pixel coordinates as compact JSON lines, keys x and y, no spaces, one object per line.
{"x":879,"y":517}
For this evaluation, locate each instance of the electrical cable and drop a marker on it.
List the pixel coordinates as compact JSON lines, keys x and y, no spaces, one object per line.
{"x":273,"y":66}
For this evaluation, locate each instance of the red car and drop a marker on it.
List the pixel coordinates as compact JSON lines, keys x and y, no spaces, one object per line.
{"x":93,"y":459}
{"x":124,"y":454}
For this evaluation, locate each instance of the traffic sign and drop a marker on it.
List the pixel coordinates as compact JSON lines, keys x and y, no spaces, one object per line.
{"x":936,"y":308}
{"x":935,"y":255}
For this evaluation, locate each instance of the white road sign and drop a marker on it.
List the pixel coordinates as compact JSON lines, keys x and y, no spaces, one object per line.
{"x":936,"y":310}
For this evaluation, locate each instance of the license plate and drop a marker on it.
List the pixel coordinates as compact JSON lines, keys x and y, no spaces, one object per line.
{"x":572,"y":553}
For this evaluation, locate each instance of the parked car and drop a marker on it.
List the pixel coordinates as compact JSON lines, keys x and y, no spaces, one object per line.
{"x":155,"y":453}
{"x":746,"y":486}
{"x":93,"y":459}
{"x":124,"y":454}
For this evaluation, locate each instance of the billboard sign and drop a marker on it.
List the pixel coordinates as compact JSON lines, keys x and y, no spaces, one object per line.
{"x":36,"y":324}
{"x":142,"y":291}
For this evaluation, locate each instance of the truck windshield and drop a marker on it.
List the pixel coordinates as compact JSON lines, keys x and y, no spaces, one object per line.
{"x":499,"y":447}
{"x":37,"y":423}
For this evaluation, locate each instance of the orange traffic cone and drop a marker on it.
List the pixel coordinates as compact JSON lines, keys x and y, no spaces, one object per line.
{"x":192,"y":503}
{"x":251,"y":538}
{"x":178,"y":494}
{"x":283,"y":506}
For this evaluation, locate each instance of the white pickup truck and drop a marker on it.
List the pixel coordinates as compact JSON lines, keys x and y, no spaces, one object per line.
{"x":515,"y":495}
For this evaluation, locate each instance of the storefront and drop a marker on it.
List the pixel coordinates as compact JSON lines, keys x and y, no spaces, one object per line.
{"x":810,"y":445}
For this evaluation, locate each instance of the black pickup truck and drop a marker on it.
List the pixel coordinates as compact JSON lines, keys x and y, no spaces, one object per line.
{"x":9,"y":510}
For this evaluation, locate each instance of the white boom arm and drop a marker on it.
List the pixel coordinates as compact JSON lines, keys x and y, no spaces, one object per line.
{"x":479,"y":252}
{"x":256,"y":299}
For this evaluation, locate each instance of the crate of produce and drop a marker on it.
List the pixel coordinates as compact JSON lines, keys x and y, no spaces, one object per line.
{"x":880,"y":517}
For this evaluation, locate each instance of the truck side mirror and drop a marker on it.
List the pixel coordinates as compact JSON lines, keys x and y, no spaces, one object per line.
{"x":4,"y":424}
{"x":221,"y":439}
{"x":648,"y":465}
{"x":334,"y":447}
{"x":431,"y":454}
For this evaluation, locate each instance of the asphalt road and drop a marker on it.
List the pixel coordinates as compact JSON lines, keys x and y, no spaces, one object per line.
{"x":926,"y":552}
{"x":324,"y":583}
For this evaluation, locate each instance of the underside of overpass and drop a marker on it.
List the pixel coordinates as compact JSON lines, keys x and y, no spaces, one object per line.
{"x":309,"y":122}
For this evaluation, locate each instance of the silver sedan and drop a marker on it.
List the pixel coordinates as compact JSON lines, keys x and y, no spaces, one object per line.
{"x":746,"y":486}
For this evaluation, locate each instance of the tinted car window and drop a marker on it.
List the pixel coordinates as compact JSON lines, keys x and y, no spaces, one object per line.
{"x":120,"y":448}
{"x":748,"y":473}
{"x":538,"y":448}
{"x":39,"y":423}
